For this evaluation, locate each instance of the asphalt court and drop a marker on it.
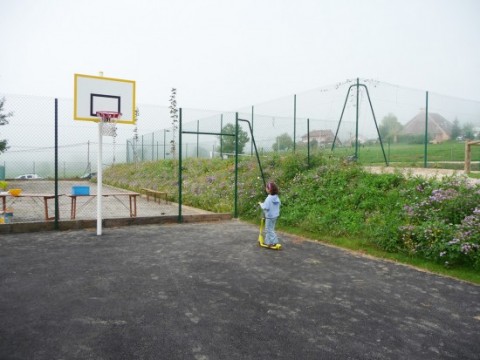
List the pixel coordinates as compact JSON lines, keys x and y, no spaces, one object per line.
{"x":207,"y":291}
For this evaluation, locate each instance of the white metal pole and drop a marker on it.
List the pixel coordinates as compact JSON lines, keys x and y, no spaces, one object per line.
{"x":99,"y":174}
{"x":99,"y":180}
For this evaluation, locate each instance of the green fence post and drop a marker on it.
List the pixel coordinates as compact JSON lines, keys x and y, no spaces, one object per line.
{"x":236,"y":167}
{"x":356,"y":121}
{"x":198,"y":135}
{"x":57,"y":210}
{"x":388,"y":150}
{"x":425,"y":161}
{"x":308,"y":143}
{"x":179,"y":166}
{"x":221,"y":137}
{"x":294,"y":120}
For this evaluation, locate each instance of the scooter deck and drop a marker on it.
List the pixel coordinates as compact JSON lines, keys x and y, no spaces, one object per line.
{"x":276,"y":247}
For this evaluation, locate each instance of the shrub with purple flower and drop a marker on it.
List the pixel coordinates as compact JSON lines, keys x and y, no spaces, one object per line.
{"x":444,"y":223}
{"x":465,"y":246}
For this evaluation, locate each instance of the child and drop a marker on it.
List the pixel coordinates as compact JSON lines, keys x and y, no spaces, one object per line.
{"x":271,"y":208}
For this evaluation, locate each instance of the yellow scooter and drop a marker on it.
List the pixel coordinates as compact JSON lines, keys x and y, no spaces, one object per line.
{"x":260,"y":238}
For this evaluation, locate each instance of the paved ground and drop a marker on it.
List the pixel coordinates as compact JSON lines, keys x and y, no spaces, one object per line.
{"x":207,"y":291}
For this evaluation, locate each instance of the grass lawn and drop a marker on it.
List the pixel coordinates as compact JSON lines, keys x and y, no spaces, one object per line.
{"x":447,"y":155}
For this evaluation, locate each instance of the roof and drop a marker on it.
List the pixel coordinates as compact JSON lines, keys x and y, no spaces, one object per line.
{"x":319,"y":133}
{"x":437,"y":124}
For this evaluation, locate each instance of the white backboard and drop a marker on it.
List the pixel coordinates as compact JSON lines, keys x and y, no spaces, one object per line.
{"x":98,"y":93}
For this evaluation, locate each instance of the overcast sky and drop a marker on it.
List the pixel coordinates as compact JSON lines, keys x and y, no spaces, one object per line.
{"x":226,"y":54}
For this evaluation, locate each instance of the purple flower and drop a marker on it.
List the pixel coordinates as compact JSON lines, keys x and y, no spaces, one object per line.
{"x":409,"y":210}
{"x":440,"y":195}
{"x":466,"y":248}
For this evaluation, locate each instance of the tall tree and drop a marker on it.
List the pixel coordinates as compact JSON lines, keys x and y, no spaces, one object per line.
{"x":390,"y":128}
{"x":3,"y":121}
{"x":228,"y":142}
{"x":468,"y":131}
{"x":456,"y":129}
{"x":283,"y":142}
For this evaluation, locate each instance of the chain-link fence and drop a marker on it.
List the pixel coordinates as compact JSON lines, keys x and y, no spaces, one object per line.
{"x":417,"y":128}
{"x":372,"y":121}
{"x":31,"y":140}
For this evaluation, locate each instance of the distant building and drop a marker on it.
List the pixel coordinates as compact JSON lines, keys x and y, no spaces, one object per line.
{"x":322,"y":137}
{"x":439,"y":128}
{"x":361,"y":140}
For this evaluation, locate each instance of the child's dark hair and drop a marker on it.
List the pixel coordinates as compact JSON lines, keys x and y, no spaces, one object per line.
{"x":272,"y":187}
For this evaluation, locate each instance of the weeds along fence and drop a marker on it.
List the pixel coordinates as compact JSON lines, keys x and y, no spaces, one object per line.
{"x":371,"y":121}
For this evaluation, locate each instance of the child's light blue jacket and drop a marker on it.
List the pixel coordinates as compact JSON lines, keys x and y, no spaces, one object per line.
{"x":271,"y":206}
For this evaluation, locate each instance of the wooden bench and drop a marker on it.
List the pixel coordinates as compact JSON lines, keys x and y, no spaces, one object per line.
{"x":132,"y":196}
{"x":45,"y":198}
{"x":155,"y":194}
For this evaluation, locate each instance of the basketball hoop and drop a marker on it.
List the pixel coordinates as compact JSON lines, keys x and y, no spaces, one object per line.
{"x":109,"y":122}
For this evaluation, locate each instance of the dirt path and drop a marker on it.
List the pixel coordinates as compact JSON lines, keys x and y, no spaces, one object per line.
{"x":427,"y":173}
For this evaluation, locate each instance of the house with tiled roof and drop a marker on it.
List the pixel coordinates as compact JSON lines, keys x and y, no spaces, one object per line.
{"x":322,"y":137}
{"x":439,"y":128}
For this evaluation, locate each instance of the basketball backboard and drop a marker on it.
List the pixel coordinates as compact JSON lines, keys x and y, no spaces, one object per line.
{"x":98,"y":93}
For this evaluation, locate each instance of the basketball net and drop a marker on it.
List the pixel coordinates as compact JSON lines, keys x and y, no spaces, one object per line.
{"x":109,"y":122}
